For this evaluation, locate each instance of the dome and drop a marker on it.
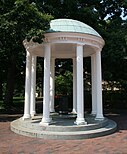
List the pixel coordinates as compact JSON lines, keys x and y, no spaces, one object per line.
{"x":70,"y":25}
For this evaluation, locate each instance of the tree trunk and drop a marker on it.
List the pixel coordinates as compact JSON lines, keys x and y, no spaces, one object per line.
{"x":1,"y":91}
{"x":8,"y":100}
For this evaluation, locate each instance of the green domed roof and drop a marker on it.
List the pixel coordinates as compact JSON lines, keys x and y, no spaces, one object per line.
{"x":69,"y":25}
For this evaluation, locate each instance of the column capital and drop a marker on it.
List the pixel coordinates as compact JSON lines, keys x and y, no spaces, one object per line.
{"x":53,"y":58}
{"x":33,"y":55}
{"x":46,"y":44}
{"x":80,"y":44}
{"x":34,"y":60}
{"x":98,"y":50}
{"x":28,"y":53}
{"x":93,"y":55}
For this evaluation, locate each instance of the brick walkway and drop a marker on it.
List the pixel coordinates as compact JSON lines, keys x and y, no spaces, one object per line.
{"x":11,"y":143}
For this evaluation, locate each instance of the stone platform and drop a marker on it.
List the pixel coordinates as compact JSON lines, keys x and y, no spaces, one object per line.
{"x":63,"y":127}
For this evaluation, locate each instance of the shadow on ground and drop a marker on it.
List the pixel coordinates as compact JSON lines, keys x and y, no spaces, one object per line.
{"x":120,"y":117}
{"x":9,"y":117}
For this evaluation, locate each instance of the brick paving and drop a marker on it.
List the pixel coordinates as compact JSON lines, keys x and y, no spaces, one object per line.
{"x":11,"y":143}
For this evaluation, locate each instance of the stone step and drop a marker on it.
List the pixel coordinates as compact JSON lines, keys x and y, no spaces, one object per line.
{"x":63,"y":125}
{"x":74,"y":135}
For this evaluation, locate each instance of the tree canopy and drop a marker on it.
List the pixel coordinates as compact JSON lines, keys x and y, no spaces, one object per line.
{"x":20,"y":19}
{"x":109,"y":18}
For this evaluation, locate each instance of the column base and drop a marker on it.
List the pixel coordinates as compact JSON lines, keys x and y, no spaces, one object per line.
{"x":33,"y":114}
{"x":52,"y":111}
{"x":99,"y":117}
{"x":80,"y":121}
{"x":74,"y":111}
{"x":93,"y":113}
{"x":26,"y":116}
{"x":45,"y":121}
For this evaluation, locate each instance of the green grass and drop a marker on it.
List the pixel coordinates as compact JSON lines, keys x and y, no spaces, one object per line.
{"x":18,"y":101}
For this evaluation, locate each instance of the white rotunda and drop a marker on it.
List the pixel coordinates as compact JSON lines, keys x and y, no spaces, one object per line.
{"x":73,"y":39}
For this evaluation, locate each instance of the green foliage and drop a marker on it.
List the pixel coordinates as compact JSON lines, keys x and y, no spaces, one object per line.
{"x":19,"y":19}
{"x":115,"y":50}
{"x":63,"y":83}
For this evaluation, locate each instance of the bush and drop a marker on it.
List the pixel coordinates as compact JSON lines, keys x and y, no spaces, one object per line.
{"x":64,"y":83}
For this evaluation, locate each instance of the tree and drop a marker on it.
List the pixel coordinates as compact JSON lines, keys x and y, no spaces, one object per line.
{"x":106,"y":17}
{"x":19,"y":19}
{"x":22,"y":18}
{"x":63,"y":83}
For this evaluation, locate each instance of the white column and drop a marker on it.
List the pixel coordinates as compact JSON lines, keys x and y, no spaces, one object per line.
{"x":93,"y":77}
{"x":33,"y":86}
{"x":52,"y":84}
{"x":27,"y":86}
{"x":74,"y":110}
{"x":46,"y":94}
{"x":80,"y":92}
{"x":99,"y":115}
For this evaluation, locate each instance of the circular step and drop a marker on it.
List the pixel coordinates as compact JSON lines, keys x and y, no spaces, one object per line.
{"x":63,"y":127}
